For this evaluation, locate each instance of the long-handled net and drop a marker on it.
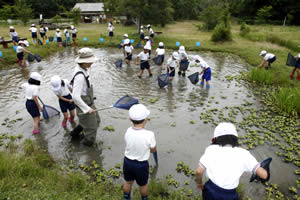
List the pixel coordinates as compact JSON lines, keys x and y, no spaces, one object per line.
{"x":291,"y":60}
{"x":30,"y":57}
{"x":266,"y":165}
{"x":194,"y":78}
{"x":49,"y":111}
{"x":119,"y":63}
{"x":184,"y":64}
{"x":124,"y":102}
{"x":163,"y":80}
{"x":157,"y":60}
{"x":37,"y":57}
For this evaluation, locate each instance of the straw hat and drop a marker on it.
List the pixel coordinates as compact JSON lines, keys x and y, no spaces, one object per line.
{"x":85,"y":56}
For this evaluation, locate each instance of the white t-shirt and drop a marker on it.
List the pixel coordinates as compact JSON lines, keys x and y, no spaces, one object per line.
{"x":19,"y":49}
{"x":142,"y":31}
{"x":13,"y":34}
{"x":30,"y":90}
{"x":42,"y":30}
{"x":58,"y":34}
{"x":80,"y":88}
{"x":182,"y":55}
{"x":203,"y":64}
{"x":110,"y":29}
{"x":172,"y":63}
{"x":143,"y":56}
{"x":33,"y":29}
{"x":67,"y":34}
{"x":128,"y":49}
{"x":151,"y":31}
{"x":225,"y":165}
{"x":138,"y":143}
{"x":269,"y":56}
{"x":73,"y":31}
{"x":160,"y":51}
{"x":148,"y":45}
{"x":64,"y":90}
{"x":126,"y":41}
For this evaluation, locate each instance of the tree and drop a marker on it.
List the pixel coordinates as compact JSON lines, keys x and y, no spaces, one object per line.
{"x":56,"y":19}
{"x":263,"y":14}
{"x":7,"y":12}
{"x":75,"y":14}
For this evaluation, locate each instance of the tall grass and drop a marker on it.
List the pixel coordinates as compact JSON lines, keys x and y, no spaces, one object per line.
{"x":261,"y":75}
{"x":288,"y":100}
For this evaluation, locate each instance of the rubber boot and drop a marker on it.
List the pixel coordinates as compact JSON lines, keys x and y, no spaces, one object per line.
{"x":183,"y":73}
{"x":202,"y":83}
{"x":207,"y":86}
{"x":179,"y":73}
{"x":291,"y":76}
{"x":298,"y":78}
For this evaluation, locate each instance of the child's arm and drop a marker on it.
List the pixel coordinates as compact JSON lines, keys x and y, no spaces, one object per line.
{"x":263,"y":63}
{"x":137,"y":60}
{"x":64,"y":99}
{"x":262,"y":173}
{"x":202,"y":71}
{"x":37,"y":103}
{"x":152,"y":150}
{"x":199,"y":174}
{"x":26,"y":50}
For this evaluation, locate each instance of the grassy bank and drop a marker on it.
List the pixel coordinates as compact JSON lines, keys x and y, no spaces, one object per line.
{"x":276,"y":39}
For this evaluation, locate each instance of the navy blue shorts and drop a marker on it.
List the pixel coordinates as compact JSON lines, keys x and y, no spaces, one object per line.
{"x":111,"y":34}
{"x":142,"y":36}
{"x":144,"y":65}
{"x":128,"y":57}
{"x":162,"y":58}
{"x":42,"y":34}
{"x":172,"y":74}
{"x":20,"y":56}
{"x":152,"y":35}
{"x":32,"y":108}
{"x":213,"y":192}
{"x":34,"y":35}
{"x":65,"y":106}
{"x":149,"y":52}
{"x":15,"y":38}
{"x":207,"y":74}
{"x":298,"y":63}
{"x":270,"y":61}
{"x":135,"y":170}
{"x":74,"y":35}
{"x":58,"y":39}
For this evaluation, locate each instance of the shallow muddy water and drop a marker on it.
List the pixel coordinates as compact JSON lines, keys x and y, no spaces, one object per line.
{"x":177,"y":138}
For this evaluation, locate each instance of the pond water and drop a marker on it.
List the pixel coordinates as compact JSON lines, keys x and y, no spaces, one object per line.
{"x":176,"y":105}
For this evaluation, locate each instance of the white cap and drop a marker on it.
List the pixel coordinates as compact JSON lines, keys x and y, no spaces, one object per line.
{"x":11,"y":27}
{"x":125,"y":35}
{"x":138,"y":112}
{"x":36,"y":76}
{"x":160,"y":44}
{"x":196,"y":57}
{"x":65,"y":30}
{"x":147,"y":47}
{"x":148,"y":25}
{"x":32,"y":24}
{"x":85,"y":56}
{"x":57,"y":29}
{"x":55,"y":83}
{"x":225,"y":128}
{"x":181,"y":48}
{"x":146,"y":38}
{"x":298,"y":55}
{"x":142,"y":27}
{"x":72,"y":27}
{"x":175,"y":55}
{"x":20,"y":42}
{"x":263,"y":53}
{"x":26,"y":43}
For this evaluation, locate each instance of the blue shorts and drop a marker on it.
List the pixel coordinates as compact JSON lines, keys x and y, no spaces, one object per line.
{"x":58,"y":39}
{"x":68,"y":39}
{"x":65,"y":106}
{"x":213,"y":192}
{"x":172,"y":74}
{"x":128,"y":57}
{"x":135,"y":170}
{"x":152,"y":35}
{"x":162,"y":58}
{"x":207,"y":74}
{"x":270,"y":61}
{"x":74,"y":35}
{"x":298,"y":63}
{"x":144,"y":65}
{"x":15,"y":38}
{"x":42,"y":34}
{"x":111,"y":34}
{"x":20,"y":56}
{"x":142,"y":36}
{"x":34,"y":35}
{"x":32,"y":108}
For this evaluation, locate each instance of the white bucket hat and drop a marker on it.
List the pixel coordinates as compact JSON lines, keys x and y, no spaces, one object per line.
{"x":65,"y":30}
{"x":175,"y":55}
{"x":57,"y":29}
{"x":20,"y":42}
{"x":160,"y":44}
{"x":181,"y":49}
{"x":55,"y":83}
{"x":298,"y":55}
{"x":146,"y":38}
{"x":138,"y":112}
{"x":85,"y":56}
{"x":11,"y":27}
{"x":26,"y":43}
{"x":225,"y":128}
{"x":196,"y":57}
{"x":125,"y":35}
{"x":32,"y":25}
{"x":36,"y":76}
{"x":142,"y":27}
{"x":263,"y":53}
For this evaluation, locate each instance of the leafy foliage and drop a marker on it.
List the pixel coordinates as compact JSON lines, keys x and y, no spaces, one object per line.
{"x":263,"y":14}
{"x":245,"y":29}
{"x":222,"y":31}
{"x":210,"y":17}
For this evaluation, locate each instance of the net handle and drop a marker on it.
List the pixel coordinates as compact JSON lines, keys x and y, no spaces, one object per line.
{"x":99,"y":109}
{"x":41,"y":100}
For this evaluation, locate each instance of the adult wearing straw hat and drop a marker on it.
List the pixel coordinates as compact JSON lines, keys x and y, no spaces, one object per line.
{"x":83,"y":97}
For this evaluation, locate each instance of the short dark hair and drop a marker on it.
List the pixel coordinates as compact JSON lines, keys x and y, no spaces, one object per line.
{"x":137,"y":121}
{"x":226,"y":140}
{"x":161,"y":47}
{"x":34,"y":82}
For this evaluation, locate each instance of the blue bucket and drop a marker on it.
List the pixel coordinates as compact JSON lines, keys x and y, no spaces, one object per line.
{"x":55,"y":39}
{"x":101,"y":40}
{"x":132,"y":41}
{"x":198,"y":44}
{"x":84,"y":39}
{"x":0,"y":54}
{"x":177,"y":44}
{"x":47,"y":41}
{"x":123,"y":41}
{"x":15,"y":48}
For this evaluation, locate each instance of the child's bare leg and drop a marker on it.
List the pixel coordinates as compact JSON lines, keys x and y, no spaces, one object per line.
{"x":36,"y":122}
{"x":149,"y":71}
{"x":144,"y":190}
{"x":65,"y":117}
{"x":72,"y":115}
{"x":140,"y":73}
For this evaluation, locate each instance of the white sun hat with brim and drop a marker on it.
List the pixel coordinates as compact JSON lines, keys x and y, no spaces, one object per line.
{"x":85,"y":56}
{"x":26,"y":43}
{"x":225,"y":128}
{"x":160,"y":44}
{"x":55,"y":83}
{"x":147,"y":47}
{"x":20,"y":42}
{"x":196,"y":57}
{"x":57,"y":29}
{"x":263,"y":52}
{"x":125,"y":35}
{"x":138,"y":112}
{"x":11,"y":27}
{"x":32,"y":25}
{"x":36,"y":76}
{"x":175,"y":55}
{"x":181,"y":49}
{"x":146,"y":38}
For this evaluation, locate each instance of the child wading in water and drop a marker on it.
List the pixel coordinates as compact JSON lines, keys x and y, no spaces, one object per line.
{"x":43,"y":31}
{"x":58,"y":37}
{"x":206,"y":71}
{"x":138,"y":145}
{"x":269,"y":58}
{"x":142,"y":35}
{"x":224,"y":163}
{"x":172,"y":64}
{"x":296,"y":69}
{"x":33,"y":31}
{"x":74,"y":34}
{"x":144,"y":62}
{"x":128,"y":50}
{"x":160,"y":51}
{"x":32,"y":104}
{"x":61,"y":89}
{"x":20,"y":53}
{"x":68,"y":36}
{"x":182,"y":58}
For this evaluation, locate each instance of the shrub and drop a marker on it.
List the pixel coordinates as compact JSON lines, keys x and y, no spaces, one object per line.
{"x":210,"y":17}
{"x":221,"y":33}
{"x":245,"y":29}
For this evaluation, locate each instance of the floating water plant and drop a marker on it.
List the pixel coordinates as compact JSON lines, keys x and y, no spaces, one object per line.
{"x":109,"y":128}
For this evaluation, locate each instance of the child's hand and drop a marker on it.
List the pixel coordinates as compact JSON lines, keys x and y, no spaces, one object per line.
{"x":70,"y":101}
{"x":200,"y":186}
{"x":41,"y":109}
{"x":137,"y":63}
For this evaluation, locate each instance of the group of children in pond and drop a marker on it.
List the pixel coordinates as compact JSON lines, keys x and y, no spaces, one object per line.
{"x":223,"y":161}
